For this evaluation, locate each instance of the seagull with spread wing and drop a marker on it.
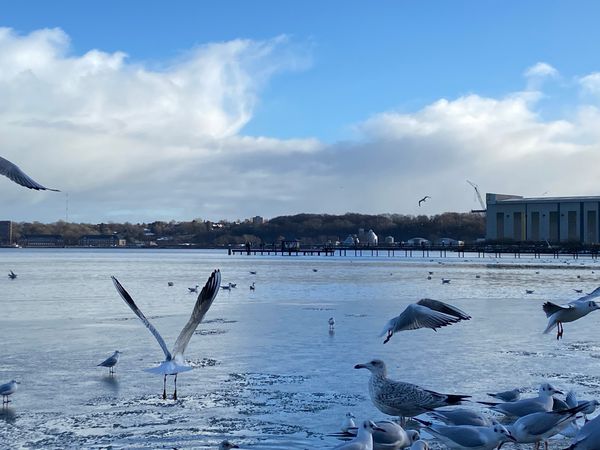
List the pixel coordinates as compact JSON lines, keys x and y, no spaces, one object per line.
{"x":174,"y":361}
{"x":558,"y":314}
{"x":13,"y":172}
{"x":426,"y":313}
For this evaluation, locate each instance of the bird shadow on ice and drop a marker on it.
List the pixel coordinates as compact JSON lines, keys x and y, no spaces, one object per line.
{"x":110,"y":382}
{"x":8,"y":415}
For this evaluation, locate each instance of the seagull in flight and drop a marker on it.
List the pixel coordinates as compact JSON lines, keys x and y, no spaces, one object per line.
{"x":426,"y":313}
{"x":13,"y":172}
{"x":12,"y":275}
{"x":174,"y":361}
{"x":423,"y":199}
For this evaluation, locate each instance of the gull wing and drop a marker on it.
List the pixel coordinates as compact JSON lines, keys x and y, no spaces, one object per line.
{"x":464,"y":436}
{"x":110,"y":361}
{"x":13,"y":172}
{"x":125,"y":296}
{"x":205,"y":299}
{"x":551,"y":308}
{"x":445,"y":308}
{"x":417,"y":316}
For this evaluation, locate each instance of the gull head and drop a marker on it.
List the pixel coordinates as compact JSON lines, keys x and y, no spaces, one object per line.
{"x":547,"y":390}
{"x":225,"y":445}
{"x":502,"y":433}
{"x":369,"y":426}
{"x":376,"y":366}
{"x":413,"y":435}
{"x":349,"y":415}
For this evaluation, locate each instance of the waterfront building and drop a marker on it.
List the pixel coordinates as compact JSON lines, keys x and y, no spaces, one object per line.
{"x":539,"y":219}
{"x":6,"y":237}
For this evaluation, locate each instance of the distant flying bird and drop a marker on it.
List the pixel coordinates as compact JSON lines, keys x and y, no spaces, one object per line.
{"x":111,"y":362}
{"x":226,"y":445}
{"x":579,"y":291}
{"x":170,"y":283}
{"x":529,"y":291}
{"x":445,"y":280}
{"x":12,"y":275}
{"x":557,"y":314}
{"x":426,"y":313}
{"x":423,"y":199}
{"x":252,"y":286}
{"x":13,"y":172}
{"x":253,"y":272}
{"x":194,"y":289}
{"x":174,"y":361}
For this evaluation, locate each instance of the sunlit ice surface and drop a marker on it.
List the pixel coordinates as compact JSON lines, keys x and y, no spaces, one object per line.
{"x":268,"y":372}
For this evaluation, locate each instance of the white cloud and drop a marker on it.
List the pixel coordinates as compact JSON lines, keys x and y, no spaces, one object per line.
{"x":132,"y":143}
{"x":541,"y":69}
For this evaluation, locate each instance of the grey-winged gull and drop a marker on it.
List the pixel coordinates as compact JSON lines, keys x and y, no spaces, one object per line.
{"x":111,"y":362}
{"x":538,"y":427}
{"x":426,"y":313}
{"x":174,"y":361}
{"x":588,"y":437}
{"x":7,"y":389}
{"x":558,"y":314}
{"x":542,"y":403}
{"x":468,"y":436}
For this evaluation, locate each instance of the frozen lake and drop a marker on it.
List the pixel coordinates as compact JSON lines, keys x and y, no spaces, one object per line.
{"x":268,"y":374}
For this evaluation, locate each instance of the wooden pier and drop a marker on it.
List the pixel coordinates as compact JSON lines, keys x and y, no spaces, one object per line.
{"x":440,"y":251}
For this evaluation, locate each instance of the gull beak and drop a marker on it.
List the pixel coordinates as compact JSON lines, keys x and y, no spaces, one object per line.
{"x":559,"y":392}
{"x":511,"y":437}
{"x":379,"y":429}
{"x":360,"y":366}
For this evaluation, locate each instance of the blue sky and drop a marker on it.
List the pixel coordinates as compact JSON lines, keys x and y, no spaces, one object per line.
{"x":341,"y":66}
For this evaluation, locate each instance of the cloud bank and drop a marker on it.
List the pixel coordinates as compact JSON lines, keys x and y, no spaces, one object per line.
{"x":133,"y":143}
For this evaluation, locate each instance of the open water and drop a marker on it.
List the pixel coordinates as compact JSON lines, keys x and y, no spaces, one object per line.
{"x":268,"y":373}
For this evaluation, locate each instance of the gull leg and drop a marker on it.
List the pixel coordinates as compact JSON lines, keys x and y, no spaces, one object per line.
{"x":390,"y":333}
{"x":546,"y":445}
{"x":175,"y":393}
{"x":560,"y":330}
{"x":165,"y":387}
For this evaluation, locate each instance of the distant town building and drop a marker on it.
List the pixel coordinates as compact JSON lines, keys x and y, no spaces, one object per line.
{"x":42,"y":240}
{"x":389,"y":240}
{"x":552,"y":219}
{"x":6,"y":236}
{"x":449,"y":242}
{"x":258,"y":220}
{"x":350,"y":240}
{"x":101,"y":240}
{"x":371,"y":238}
{"x":418,"y":241}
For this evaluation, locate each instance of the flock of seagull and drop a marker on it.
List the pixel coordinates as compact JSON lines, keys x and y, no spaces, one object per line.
{"x":527,"y":420}
{"x":536,"y":419}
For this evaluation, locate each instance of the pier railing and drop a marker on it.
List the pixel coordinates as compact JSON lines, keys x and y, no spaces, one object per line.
{"x":426,"y":251}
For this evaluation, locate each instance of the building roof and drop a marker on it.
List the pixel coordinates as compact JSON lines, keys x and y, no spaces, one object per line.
{"x":576,"y":199}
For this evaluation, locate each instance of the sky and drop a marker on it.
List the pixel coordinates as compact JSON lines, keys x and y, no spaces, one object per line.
{"x":145,"y":110}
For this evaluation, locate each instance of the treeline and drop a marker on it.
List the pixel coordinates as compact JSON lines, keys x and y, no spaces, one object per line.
{"x":308,"y":228}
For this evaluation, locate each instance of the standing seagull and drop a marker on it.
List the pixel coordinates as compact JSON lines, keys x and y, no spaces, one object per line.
{"x":7,"y":389}
{"x":426,"y":313}
{"x":423,"y":199}
{"x":13,"y":172}
{"x":397,"y":398}
{"x":111,"y":362}
{"x":174,"y":361}
{"x":557,"y":314}
{"x":331,"y":322}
